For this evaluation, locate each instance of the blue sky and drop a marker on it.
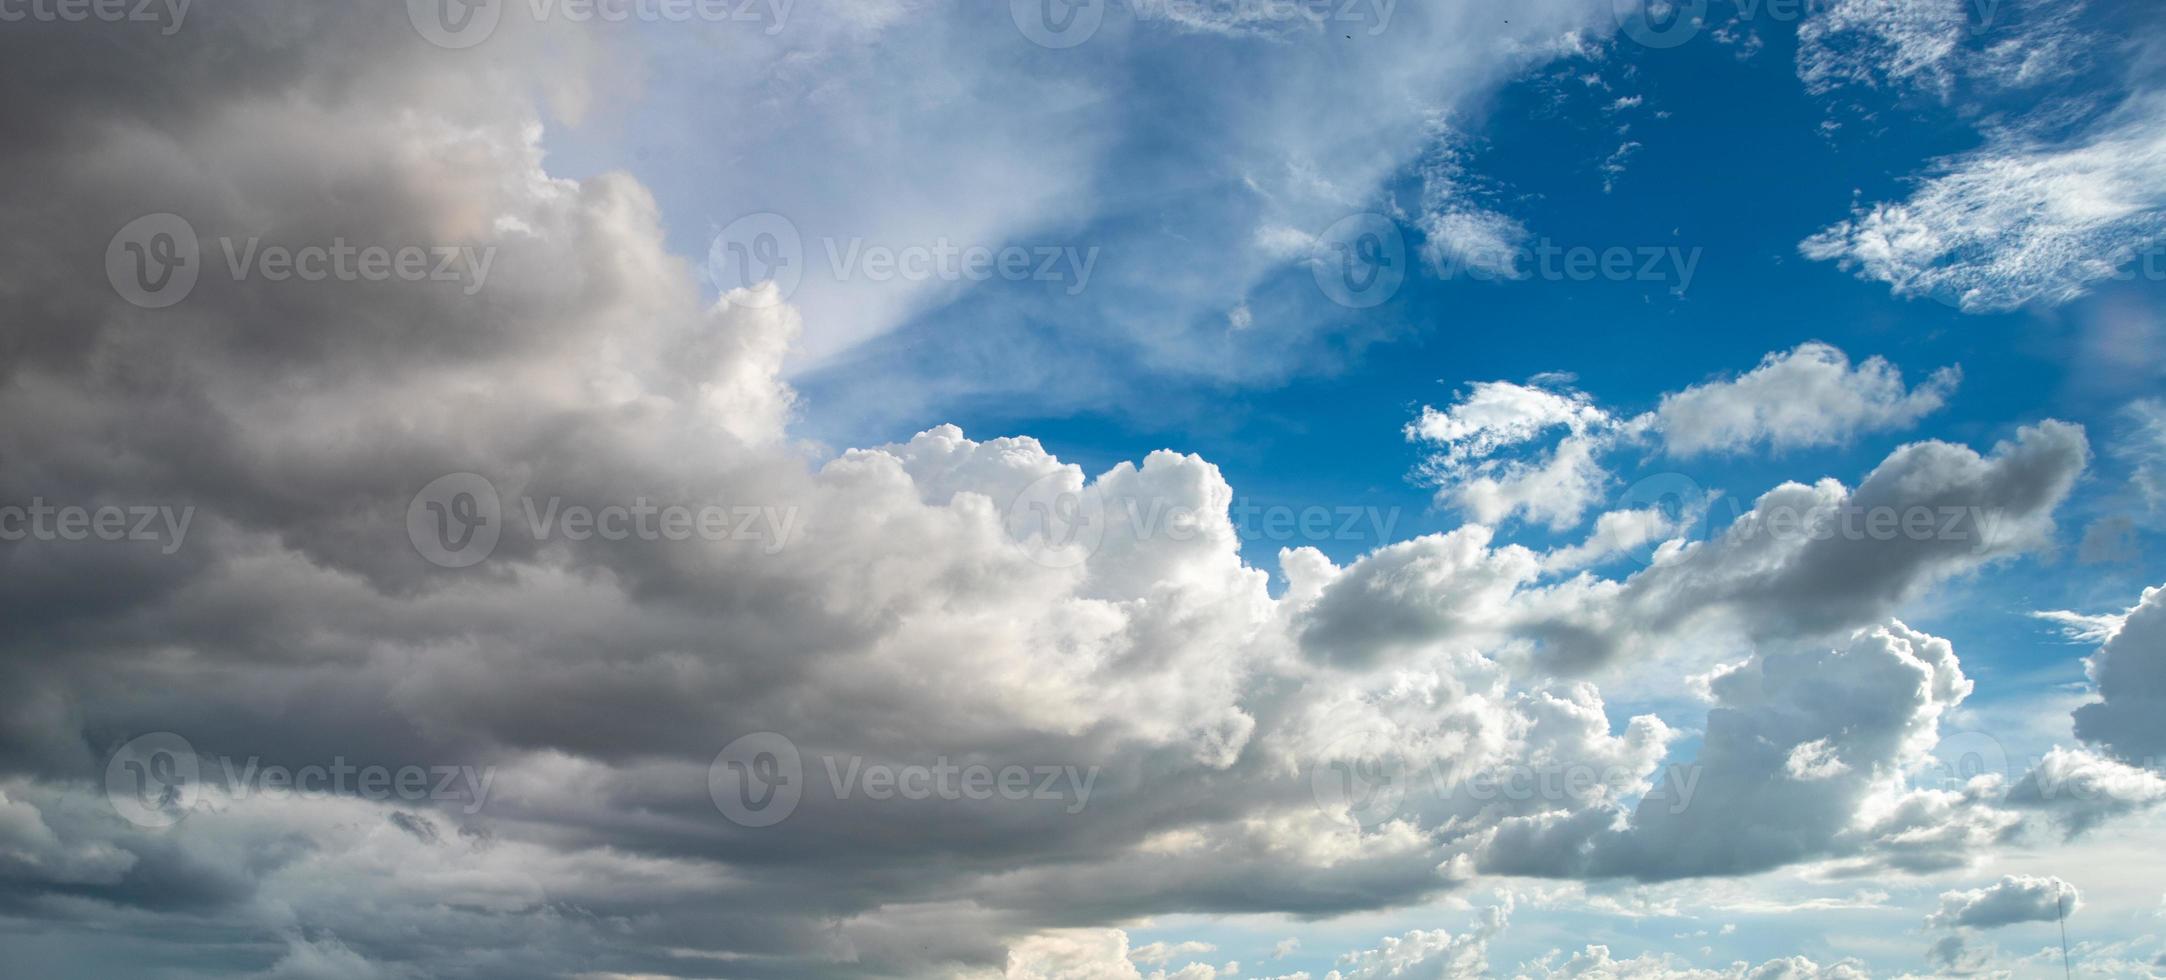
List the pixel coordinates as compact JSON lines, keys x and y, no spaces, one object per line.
{"x":1297,"y":416}
{"x":1733,"y":161}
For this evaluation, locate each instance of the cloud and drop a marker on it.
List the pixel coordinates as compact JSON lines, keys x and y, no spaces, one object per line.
{"x":2081,"y":790}
{"x":915,"y":608}
{"x":1595,"y":962}
{"x":1098,"y":954}
{"x":1424,"y":954}
{"x":1939,"y":47}
{"x":1535,"y":451}
{"x":2020,"y":220}
{"x":1803,"y":759}
{"x":2130,"y":673}
{"x":2145,"y":449}
{"x":2084,"y":627}
{"x":1555,"y":487}
{"x":1803,"y":561}
{"x":1497,"y":415}
{"x":1160,"y":952}
{"x":1615,"y":533}
{"x":2013,"y":899}
{"x":1810,"y":396}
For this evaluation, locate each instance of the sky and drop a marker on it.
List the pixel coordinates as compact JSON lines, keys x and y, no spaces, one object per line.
{"x":1083,"y":489}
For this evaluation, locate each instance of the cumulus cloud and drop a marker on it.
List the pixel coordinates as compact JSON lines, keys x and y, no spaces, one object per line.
{"x":1596,"y":962}
{"x":2081,"y":790}
{"x":1810,"y":396}
{"x":913,"y":606}
{"x":2013,"y":899}
{"x":1804,"y":758}
{"x":1478,"y":467}
{"x":2130,"y":674}
{"x":1099,"y":954}
{"x":1507,"y":450}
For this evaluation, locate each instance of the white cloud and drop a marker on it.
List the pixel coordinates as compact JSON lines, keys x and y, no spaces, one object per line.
{"x":1615,"y":533}
{"x":2082,"y":790}
{"x":1937,"y":46}
{"x":1595,"y":962}
{"x":1424,"y":954}
{"x":2145,"y":449}
{"x":1161,"y":953}
{"x":2019,"y":220}
{"x":1495,"y":415}
{"x":1554,"y":487}
{"x":2085,"y":627}
{"x":909,"y":619}
{"x":1535,"y":451}
{"x":2013,"y":899}
{"x":1803,"y":759}
{"x":1810,"y":396}
{"x":2129,"y":717}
